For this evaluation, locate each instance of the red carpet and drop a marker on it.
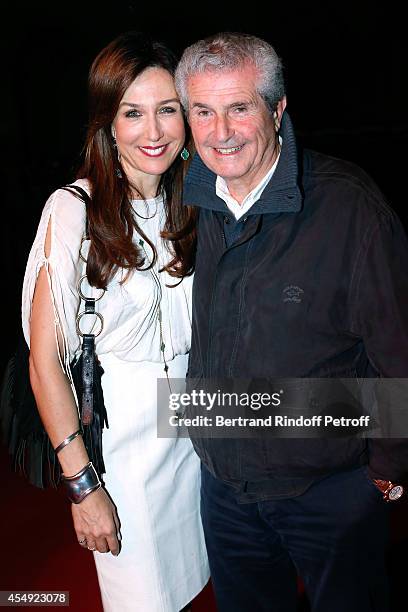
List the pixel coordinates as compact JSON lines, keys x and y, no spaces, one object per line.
{"x":40,"y":551}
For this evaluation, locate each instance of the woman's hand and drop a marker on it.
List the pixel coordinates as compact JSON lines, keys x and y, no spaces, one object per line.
{"x":96,"y":523}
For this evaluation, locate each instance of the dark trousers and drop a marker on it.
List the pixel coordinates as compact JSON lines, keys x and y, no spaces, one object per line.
{"x":334,"y":537}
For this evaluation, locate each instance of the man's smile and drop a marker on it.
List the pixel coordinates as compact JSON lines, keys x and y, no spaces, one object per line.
{"x":229,"y":151}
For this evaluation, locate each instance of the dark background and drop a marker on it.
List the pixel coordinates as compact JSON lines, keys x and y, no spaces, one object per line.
{"x":345,"y":66}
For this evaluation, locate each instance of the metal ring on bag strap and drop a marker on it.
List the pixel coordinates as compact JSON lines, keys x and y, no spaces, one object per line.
{"x":84,"y":297}
{"x":89,"y":308}
{"x":78,"y":320}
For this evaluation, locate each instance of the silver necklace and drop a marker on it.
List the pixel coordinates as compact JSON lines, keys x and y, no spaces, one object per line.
{"x":145,"y":202}
{"x":153,"y":215}
{"x":159,"y":314}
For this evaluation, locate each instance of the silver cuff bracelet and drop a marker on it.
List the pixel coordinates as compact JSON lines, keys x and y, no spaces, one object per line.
{"x":80,"y":485}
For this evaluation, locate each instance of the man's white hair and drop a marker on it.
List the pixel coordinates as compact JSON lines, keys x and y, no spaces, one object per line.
{"x":228,"y":51}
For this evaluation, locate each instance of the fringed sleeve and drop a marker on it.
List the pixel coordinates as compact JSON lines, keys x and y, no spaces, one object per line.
{"x":66,"y":213}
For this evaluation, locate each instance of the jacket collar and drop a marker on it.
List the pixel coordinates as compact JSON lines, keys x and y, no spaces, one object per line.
{"x":282,"y":193}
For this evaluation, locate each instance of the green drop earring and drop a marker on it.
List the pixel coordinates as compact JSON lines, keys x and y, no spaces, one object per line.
{"x":185,"y":154}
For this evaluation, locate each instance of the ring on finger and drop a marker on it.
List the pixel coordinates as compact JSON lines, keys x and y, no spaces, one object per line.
{"x":82,"y":542}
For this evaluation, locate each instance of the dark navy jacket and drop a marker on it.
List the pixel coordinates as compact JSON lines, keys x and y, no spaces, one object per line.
{"x":312,"y":282}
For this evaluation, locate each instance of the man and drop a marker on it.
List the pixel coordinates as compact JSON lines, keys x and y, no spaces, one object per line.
{"x":301,"y":271}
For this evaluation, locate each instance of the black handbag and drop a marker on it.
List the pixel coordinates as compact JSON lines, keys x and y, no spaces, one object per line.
{"x":22,"y":429}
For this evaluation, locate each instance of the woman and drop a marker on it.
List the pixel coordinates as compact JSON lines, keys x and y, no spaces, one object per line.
{"x":143,"y":524}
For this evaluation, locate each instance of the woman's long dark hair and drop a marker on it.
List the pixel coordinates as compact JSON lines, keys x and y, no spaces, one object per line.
{"x":110,"y":217}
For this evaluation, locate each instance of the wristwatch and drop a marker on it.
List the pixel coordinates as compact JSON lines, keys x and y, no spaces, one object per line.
{"x":390,"y":491}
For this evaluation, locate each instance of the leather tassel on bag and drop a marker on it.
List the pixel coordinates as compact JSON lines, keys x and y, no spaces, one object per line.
{"x":23,"y":432}
{"x":22,"y":429}
{"x":92,"y":430}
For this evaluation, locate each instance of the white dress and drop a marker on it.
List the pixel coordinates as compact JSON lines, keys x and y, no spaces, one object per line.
{"x":153,"y":482}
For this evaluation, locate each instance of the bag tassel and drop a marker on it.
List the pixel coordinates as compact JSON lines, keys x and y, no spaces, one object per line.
{"x":92,"y":433}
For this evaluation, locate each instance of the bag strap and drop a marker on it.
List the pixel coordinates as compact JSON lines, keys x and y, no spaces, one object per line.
{"x":85,"y":198}
{"x":88,"y":340}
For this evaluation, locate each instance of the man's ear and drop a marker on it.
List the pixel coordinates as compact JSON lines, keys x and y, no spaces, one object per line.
{"x":277,"y":115}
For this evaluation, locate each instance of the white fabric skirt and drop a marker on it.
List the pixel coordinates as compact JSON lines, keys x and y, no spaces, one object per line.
{"x":155,"y":485}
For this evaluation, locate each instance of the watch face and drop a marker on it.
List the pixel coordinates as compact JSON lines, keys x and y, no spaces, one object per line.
{"x":395,"y":492}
